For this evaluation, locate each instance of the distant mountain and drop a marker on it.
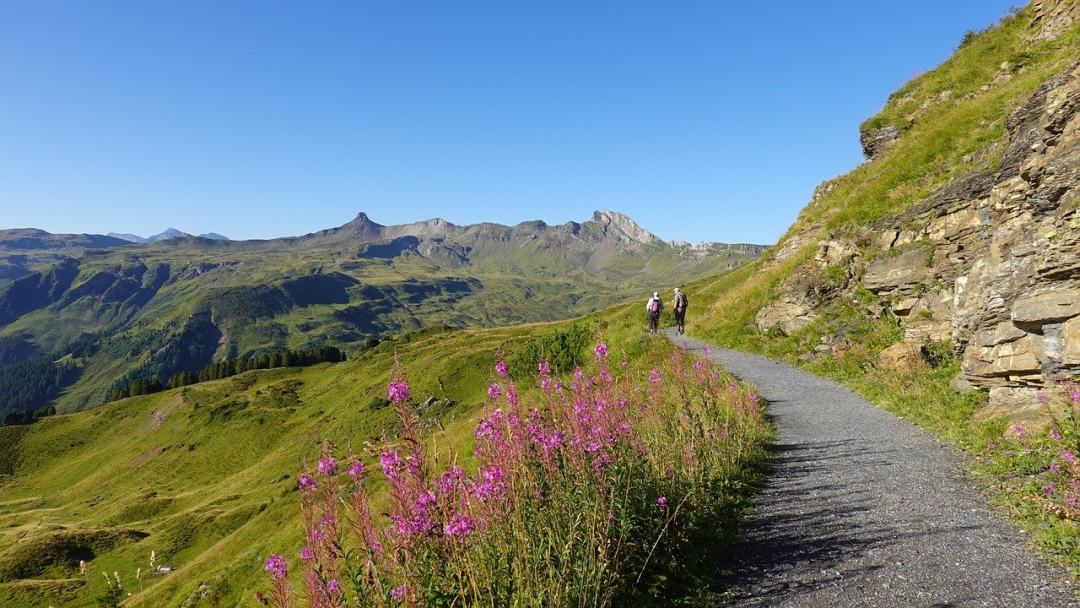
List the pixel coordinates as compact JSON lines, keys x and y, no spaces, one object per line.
{"x":169,"y":233}
{"x":179,"y":302}
{"x":131,"y":238}
{"x":213,"y":236}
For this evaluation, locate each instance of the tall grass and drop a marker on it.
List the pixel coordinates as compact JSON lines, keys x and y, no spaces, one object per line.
{"x":612,"y":487}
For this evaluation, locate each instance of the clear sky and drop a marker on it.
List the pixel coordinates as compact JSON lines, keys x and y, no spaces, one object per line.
{"x":702,"y":120}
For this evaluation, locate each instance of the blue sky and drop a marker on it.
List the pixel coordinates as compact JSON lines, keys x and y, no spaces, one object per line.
{"x":702,"y":120}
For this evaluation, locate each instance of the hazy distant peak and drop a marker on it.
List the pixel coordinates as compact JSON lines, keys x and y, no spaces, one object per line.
{"x":624,"y":224}
{"x":169,"y":233}
{"x":213,"y":236}
{"x":126,"y":236}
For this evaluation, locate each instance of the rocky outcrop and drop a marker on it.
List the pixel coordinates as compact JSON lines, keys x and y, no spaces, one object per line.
{"x":989,"y":263}
{"x":876,"y":141}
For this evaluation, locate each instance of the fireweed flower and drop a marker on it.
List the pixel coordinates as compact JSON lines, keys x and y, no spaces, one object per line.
{"x":578,"y":373}
{"x":600,"y":351}
{"x":1017,"y":429}
{"x":398,"y":391}
{"x":307,"y":483}
{"x":699,"y":365}
{"x":459,"y":525}
{"x":307,"y":554}
{"x":450,"y":479}
{"x":332,"y":586}
{"x":661,"y":503}
{"x":511,"y":395}
{"x":1049,"y":489}
{"x":1055,"y":468}
{"x":500,"y":368}
{"x":391,"y":464}
{"x":356,"y":471}
{"x":276,"y":566}
{"x":493,"y":392}
{"x":1067,"y":456}
{"x":398,"y":593}
{"x":544,"y":368}
{"x":1071,"y":501}
{"x":655,"y":375}
{"x":327,"y":466}
{"x":1055,"y":435}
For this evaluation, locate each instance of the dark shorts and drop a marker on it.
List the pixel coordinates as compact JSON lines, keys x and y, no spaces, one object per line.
{"x":680,"y":315}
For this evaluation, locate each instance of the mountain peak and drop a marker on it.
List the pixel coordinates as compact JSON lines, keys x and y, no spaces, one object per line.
{"x":624,"y":224}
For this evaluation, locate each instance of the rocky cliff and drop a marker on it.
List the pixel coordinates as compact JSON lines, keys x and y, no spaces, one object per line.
{"x":988,"y":260}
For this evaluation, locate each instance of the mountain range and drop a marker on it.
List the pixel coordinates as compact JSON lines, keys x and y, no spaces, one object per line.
{"x":179,"y":302}
{"x":169,"y":233}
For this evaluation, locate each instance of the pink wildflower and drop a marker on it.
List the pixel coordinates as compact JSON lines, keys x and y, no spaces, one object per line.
{"x":1049,"y":489}
{"x":276,"y":566}
{"x":332,"y":586}
{"x":493,"y":392}
{"x":459,"y":525}
{"x":661,"y":503}
{"x":544,"y":368}
{"x":500,"y":368}
{"x":398,"y":593}
{"x":356,"y":471}
{"x":600,"y":351}
{"x":307,"y":554}
{"x":1055,"y":435}
{"x":327,"y":466}
{"x":307,"y":484}
{"x":1017,"y":429}
{"x":391,"y":464}
{"x":1067,"y":456}
{"x":398,"y":391}
{"x":1071,"y":501}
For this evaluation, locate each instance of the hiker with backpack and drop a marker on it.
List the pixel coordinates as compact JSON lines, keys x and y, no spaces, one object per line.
{"x":679,"y":306}
{"x":652,"y":307}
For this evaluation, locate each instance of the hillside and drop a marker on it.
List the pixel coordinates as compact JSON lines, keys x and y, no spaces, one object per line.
{"x":205,"y":476}
{"x":125,"y":312}
{"x":941,"y":277}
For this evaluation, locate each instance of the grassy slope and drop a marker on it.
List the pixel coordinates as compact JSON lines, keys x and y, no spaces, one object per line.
{"x":515,"y":285}
{"x":949,"y":138}
{"x":209,"y":471}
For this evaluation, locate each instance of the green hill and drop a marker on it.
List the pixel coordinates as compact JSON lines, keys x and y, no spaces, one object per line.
{"x":124,"y":313}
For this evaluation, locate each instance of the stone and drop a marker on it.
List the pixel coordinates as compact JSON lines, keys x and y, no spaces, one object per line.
{"x":900,"y":357}
{"x":1070,"y":336}
{"x":876,"y":141}
{"x":895,"y":272}
{"x":904,"y":306}
{"x":958,"y":222}
{"x":1002,"y":332}
{"x":1013,"y":360}
{"x":960,"y":384}
{"x":787,"y":316}
{"x":1016,"y":404}
{"x":1049,"y":307}
{"x":833,"y":251}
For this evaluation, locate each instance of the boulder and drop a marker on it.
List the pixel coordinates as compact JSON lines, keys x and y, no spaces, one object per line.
{"x":1049,"y":307}
{"x":901,"y":357}
{"x":1017,"y":404}
{"x":958,"y":222}
{"x":788,"y":316}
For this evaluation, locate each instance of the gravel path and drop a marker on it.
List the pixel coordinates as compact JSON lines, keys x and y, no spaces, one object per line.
{"x":864,"y":509}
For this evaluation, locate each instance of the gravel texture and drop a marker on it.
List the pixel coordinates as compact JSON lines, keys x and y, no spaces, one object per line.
{"x":864,"y":509}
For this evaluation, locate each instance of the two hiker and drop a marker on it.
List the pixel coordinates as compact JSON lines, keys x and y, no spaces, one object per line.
{"x":655,"y":305}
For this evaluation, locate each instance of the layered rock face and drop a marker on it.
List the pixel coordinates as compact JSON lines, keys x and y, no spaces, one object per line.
{"x":990,"y":262}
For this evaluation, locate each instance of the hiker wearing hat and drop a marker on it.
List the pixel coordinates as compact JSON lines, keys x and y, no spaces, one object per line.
{"x":653,"y":307}
{"x":679,"y":306}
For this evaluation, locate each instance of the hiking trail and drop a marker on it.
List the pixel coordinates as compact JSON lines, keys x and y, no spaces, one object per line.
{"x":864,"y":509}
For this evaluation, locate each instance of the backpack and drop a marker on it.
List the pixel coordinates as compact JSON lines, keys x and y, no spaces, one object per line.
{"x":654,"y":306}
{"x":680,"y":302}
